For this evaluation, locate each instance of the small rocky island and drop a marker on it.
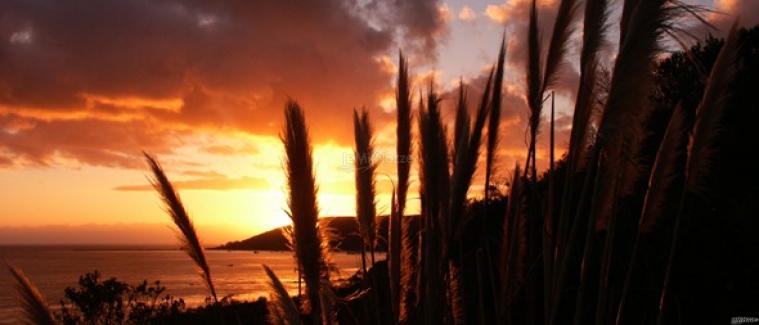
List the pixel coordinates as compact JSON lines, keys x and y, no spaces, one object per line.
{"x":345,"y":230}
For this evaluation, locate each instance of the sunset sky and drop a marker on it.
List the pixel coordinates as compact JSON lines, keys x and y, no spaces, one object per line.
{"x":86,"y":86}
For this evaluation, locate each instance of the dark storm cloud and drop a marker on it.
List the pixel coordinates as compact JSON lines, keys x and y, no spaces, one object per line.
{"x":422,"y":21}
{"x":230,"y":64}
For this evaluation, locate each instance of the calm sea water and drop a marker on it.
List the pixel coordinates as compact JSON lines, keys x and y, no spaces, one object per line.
{"x":236,"y":273}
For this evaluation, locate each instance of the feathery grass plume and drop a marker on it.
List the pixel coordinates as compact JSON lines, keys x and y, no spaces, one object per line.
{"x":328,"y":234}
{"x":329,"y":301}
{"x":434,"y":162}
{"x":595,"y":26}
{"x":534,"y":84}
{"x":187,"y":235}
{"x":620,"y":134}
{"x":562,"y":31}
{"x":594,"y":33}
{"x":403,"y":131}
{"x":708,"y":127}
{"x":668,"y":171}
{"x":665,"y":182}
{"x":366,"y":211}
{"x":287,"y":234}
{"x":632,"y":80}
{"x":408,"y":249}
{"x":466,"y":153}
{"x":394,"y":256}
{"x":410,"y":237}
{"x":467,"y":140}
{"x":628,"y":8}
{"x":702,"y":149}
{"x":557,"y":50}
{"x":435,"y":193}
{"x":461,"y":124}
{"x":33,"y":303}
{"x":282,"y":309}
{"x":494,"y":120}
{"x":620,"y":128}
{"x":594,"y":38}
{"x":412,"y":254}
{"x":423,"y":226}
{"x":365,"y":167}
{"x":671,"y":13}
{"x":534,"y":78}
{"x":304,"y":209}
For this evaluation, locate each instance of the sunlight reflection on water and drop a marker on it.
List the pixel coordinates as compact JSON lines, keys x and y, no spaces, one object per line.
{"x":235,"y":273}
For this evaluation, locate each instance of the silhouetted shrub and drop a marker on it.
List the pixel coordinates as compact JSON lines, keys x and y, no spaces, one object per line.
{"x":115,"y":302}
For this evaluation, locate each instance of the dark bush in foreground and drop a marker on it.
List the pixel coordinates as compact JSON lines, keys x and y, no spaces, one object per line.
{"x":115,"y":302}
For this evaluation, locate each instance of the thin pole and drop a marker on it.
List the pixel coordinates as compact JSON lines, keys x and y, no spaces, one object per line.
{"x":548,"y":224}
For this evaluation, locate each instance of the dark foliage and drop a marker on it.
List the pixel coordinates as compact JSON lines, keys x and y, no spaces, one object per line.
{"x":225,"y":312}
{"x":717,"y":271}
{"x":114,"y":302}
{"x":713,"y":274}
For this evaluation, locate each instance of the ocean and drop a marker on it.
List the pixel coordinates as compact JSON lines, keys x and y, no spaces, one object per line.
{"x":237,"y":273}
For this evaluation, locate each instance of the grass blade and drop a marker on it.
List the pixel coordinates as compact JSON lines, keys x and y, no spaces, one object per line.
{"x":461,"y":125}
{"x":594,"y":34}
{"x":494,"y":120}
{"x":188,"y":237}
{"x":628,"y":8}
{"x":557,"y":50}
{"x":467,"y":140}
{"x":666,"y":182}
{"x":409,"y":237}
{"x":403,"y":131}
{"x":534,"y":83}
{"x":394,"y":256}
{"x":702,"y":150}
{"x":435,"y":195}
{"x":366,"y":211}
{"x":33,"y":303}
{"x":282,"y":309}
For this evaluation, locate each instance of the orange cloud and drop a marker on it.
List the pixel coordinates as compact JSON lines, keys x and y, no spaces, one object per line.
{"x":171,"y":66}
{"x":208,"y":182}
{"x":90,"y":141}
{"x":497,"y":13}
{"x":727,"y":10}
{"x":229,"y":150}
{"x":467,"y":14}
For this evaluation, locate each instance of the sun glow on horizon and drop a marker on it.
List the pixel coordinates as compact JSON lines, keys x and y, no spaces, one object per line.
{"x":243,"y":190}
{"x":205,"y":96}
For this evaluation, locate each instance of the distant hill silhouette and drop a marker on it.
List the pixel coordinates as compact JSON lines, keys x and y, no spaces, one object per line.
{"x":346,"y":229}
